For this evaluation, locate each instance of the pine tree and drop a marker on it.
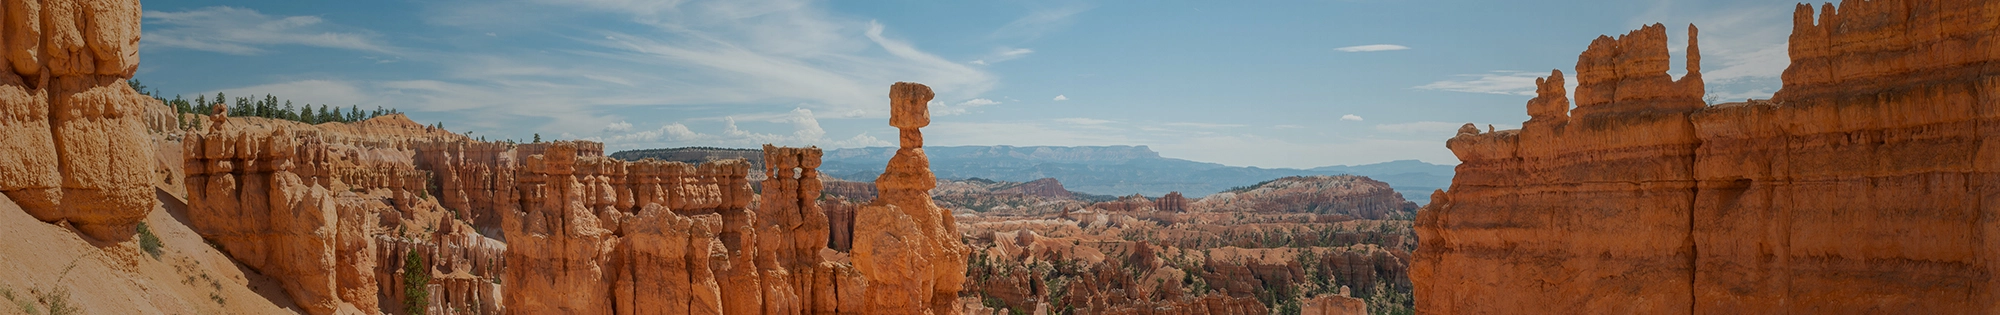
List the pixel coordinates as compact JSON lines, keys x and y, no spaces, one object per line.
{"x":306,"y":114}
{"x":538,"y":138}
{"x":354,"y":113}
{"x":416,"y":284}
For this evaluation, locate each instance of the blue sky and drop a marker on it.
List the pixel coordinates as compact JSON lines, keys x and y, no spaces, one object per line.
{"x":1267,"y":84}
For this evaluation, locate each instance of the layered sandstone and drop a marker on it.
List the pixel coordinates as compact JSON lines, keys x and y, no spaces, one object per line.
{"x":1607,"y":183}
{"x":1858,"y":188}
{"x":907,"y":247}
{"x":73,"y":147}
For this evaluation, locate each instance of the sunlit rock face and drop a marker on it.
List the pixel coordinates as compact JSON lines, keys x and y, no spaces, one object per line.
{"x":1860,"y":187}
{"x":73,"y":144}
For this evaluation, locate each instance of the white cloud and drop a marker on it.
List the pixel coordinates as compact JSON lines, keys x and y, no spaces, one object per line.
{"x":240,"y":31}
{"x":805,"y":130}
{"x":620,"y":126}
{"x":940,"y":109}
{"x":748,"y":56}
{"x":1496,"y":82}
{"x":1004,"y":54}
{"x":1743,"y":51}
{"x":1372,"y":48}
{"x":1350,"y":117}
{"x":1061,"y":98}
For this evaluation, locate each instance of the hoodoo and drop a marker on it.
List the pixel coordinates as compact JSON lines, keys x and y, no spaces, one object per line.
{"x":906,"y":246}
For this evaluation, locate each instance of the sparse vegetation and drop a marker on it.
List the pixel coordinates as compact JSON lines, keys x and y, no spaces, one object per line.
{"x":1385,"y":301}
{"x":27,"y":306}
{"x":149,"y":242}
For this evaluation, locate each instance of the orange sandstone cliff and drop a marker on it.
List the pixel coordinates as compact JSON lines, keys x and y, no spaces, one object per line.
{"x":72,"y":144}
{"x":1866,"y":185}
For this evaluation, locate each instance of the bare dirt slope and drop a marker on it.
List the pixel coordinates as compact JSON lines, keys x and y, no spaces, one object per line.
{"x":43,"y":265}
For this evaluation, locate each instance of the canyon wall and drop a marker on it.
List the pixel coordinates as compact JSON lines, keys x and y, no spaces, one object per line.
{"x":73,"y":144}
{"x":1865,"y":185}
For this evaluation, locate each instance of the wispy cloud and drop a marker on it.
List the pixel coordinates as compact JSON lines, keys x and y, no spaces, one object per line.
{"x":940,"y":109}
{"x":1350,"y":117}
{"x":1496,"y":82}
{"x":240,"y":31}
{"x":1371,"y":48}
{"x":766,"y":56}
{"x":805,"y":127}
{"x":1743,"y":49}
{"x":1062,"y":98}
{"x":1004,"y":55}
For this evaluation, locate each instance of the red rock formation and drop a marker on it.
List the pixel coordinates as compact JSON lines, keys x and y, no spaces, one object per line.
{"x":907,"y":247}
{"x":856,"y":191}
{"x":840,"y":223}
{"x":462,"y":265}
{"x":1861,"y":187}
{"x":72,"y":148}
{"x":1629,"y":197}
{"x":1133,"y":203}
{"x":1334,"y":305}
{"x":1857,"y":189}
{"x":1172,"y":202}
{"x":246,"y":197}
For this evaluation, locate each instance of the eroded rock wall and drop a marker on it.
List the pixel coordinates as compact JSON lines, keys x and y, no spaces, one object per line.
{"x":1578,"y":202}
{"x":254,"y":193}
{"x":73,"y":144}
{"x":1866,"y":185}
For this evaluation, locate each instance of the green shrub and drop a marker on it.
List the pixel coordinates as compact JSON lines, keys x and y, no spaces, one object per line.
{"x":149,"y":242}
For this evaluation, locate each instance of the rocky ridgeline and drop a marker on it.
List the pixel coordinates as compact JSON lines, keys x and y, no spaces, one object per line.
{"x":1858,"y":188}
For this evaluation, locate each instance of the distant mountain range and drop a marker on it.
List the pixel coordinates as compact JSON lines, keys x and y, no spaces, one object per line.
{"x":1103,"y":170}
{"x":1123,"y":170}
